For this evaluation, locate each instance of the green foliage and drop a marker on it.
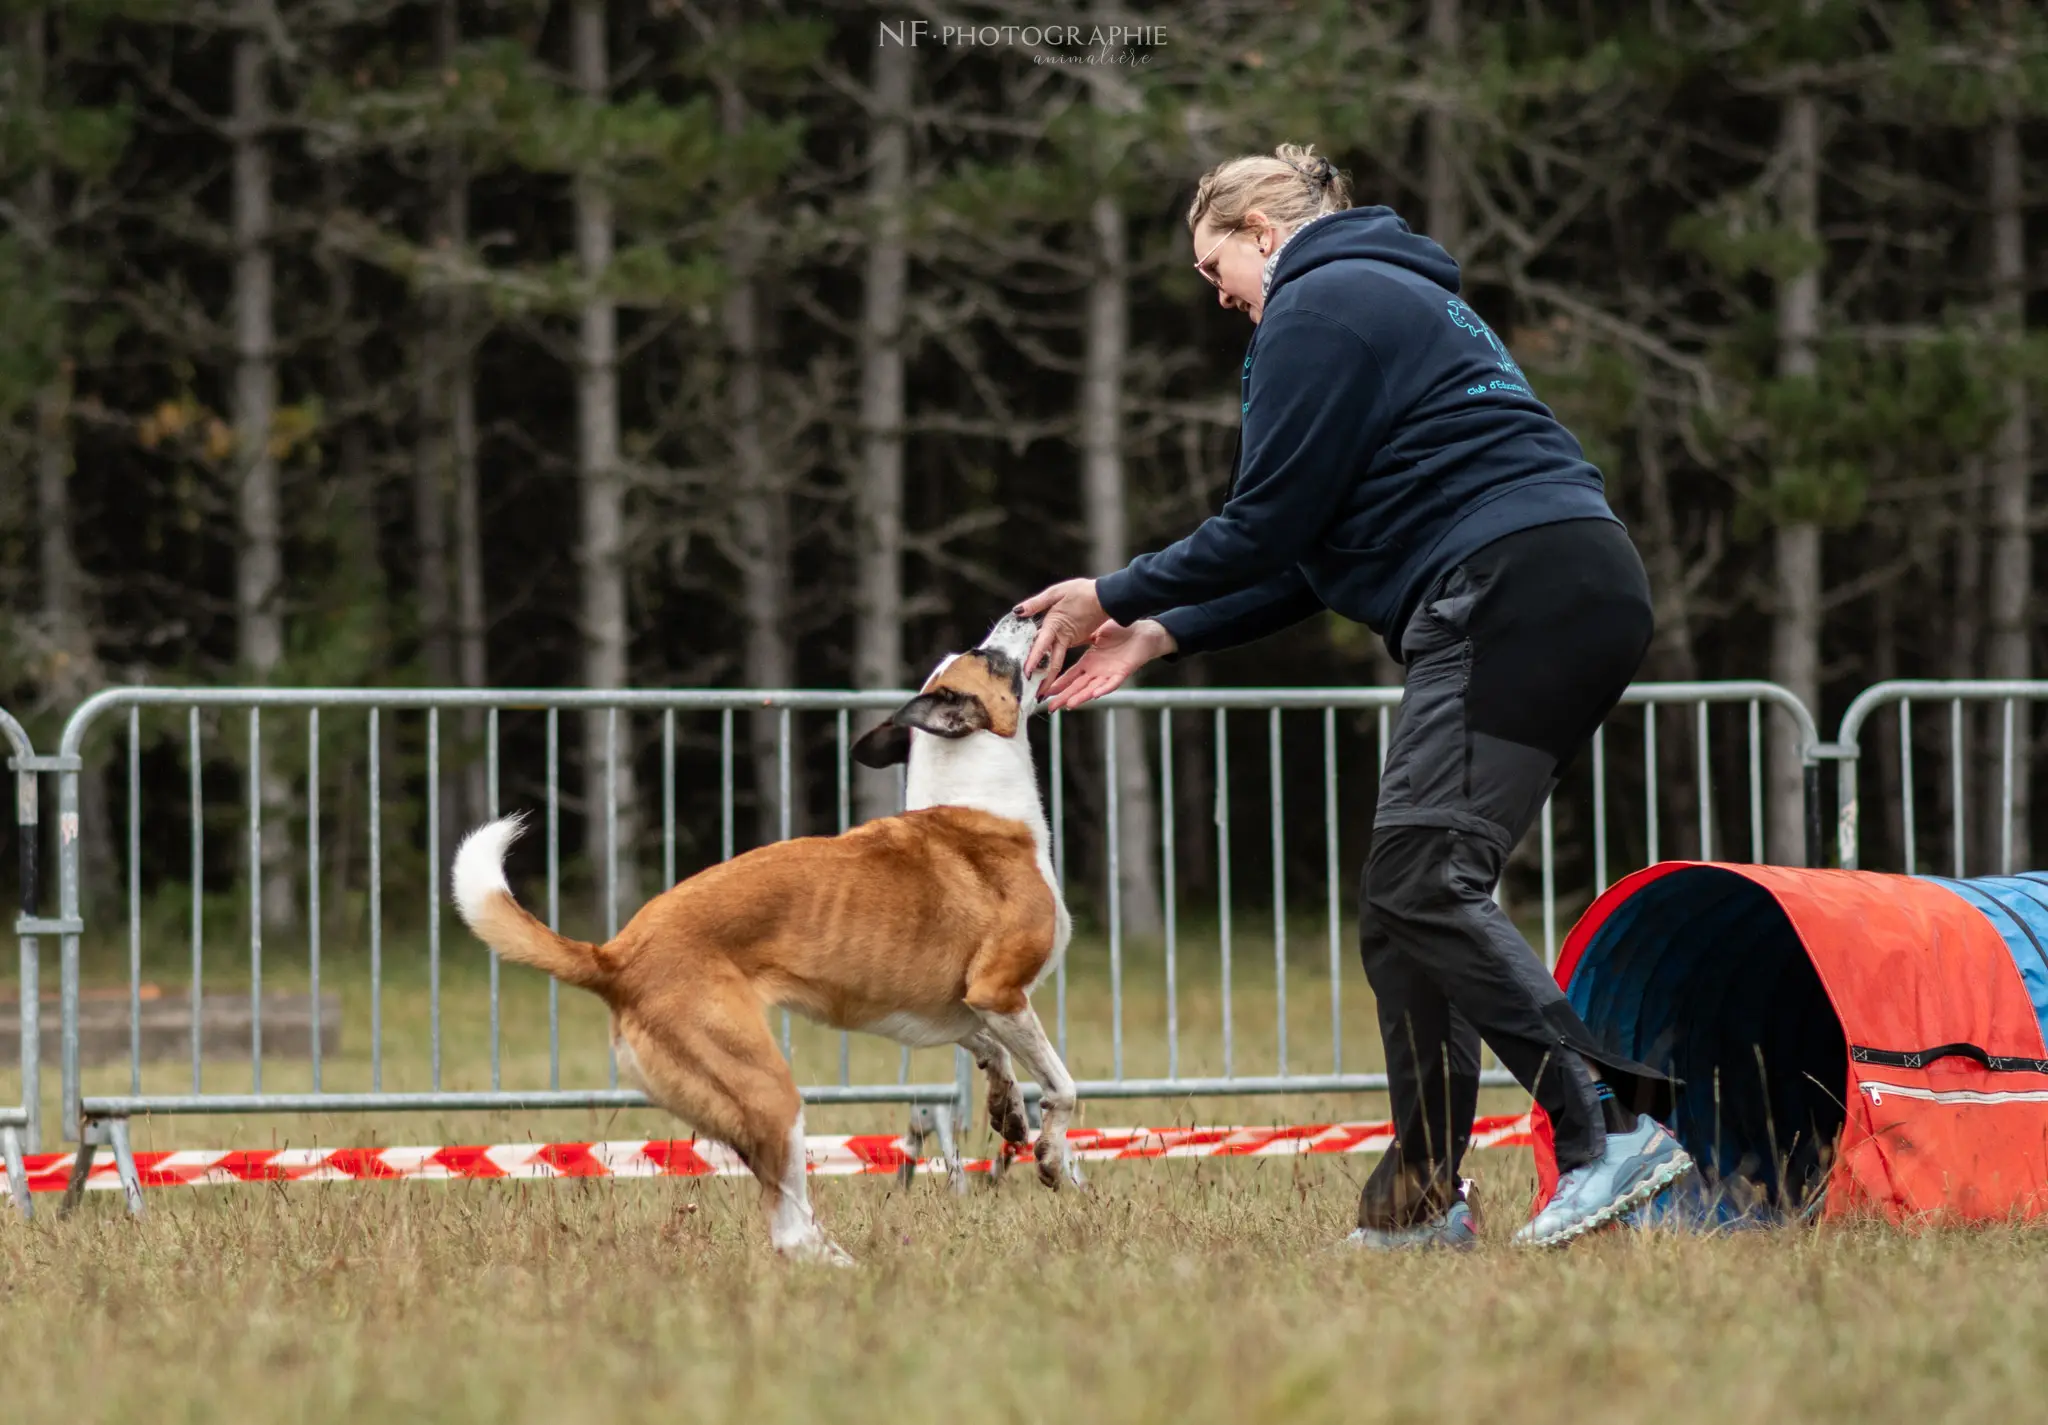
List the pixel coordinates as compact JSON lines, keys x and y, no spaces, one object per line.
{"x":1737,"y":237}
{"x":1818,"y":442}
{"x":1965,"y":76}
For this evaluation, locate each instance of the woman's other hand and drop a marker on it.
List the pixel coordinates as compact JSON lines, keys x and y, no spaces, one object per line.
{"x":1116,"y":653}
{"x":1072,"y":615}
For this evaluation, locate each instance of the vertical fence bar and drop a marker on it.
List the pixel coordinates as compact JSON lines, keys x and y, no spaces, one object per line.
{"x":376,"y":909}
{"x":1114,"y":836}
{"x":434,"y":895}
{"x":1223,"y":876}
{"x":1702,"y":769}
{"x":198,"y":837}
{"x":2006,"y":797}
{"x":255,"y":900}
{"x":1650,"y":774}
{"x":28,"y":819}
{"x":134,"y":902}
{"x":783,"y":820}
{"x":1906,"y":776}
{"x":1956,"y":779}
{"x":1330,"y":877}
{"x":844,"y":776}
{"x":67,"y":947}
{"x":725,"y":788}
{"x":1599,"y":809}
{"x":1274,"y":810}
{"x":1057,"y":780}
{"x":1169,"y":892}
{"x":313,"y":878}
{"x":1756,"y":782}
{"x":497,"y":1004}
{"x":554,"y":890}
{"x":611,"y":861}
{"x":668,"y":798}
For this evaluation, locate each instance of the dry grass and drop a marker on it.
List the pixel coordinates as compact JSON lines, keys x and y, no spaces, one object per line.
{"x":1181,"y":1291}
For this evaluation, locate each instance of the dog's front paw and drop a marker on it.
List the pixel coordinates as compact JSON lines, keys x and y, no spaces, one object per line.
{"x":1055,"y":1163}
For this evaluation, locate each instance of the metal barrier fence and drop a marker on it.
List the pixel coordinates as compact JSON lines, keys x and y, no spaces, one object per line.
{"x":2013,"y":762}
{"x":1349,"y":728}
{"x":24,"y":1119}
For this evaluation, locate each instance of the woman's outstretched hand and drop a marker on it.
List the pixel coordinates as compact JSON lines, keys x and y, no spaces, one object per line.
{"x":1072,"y":614}
{"x":1115,"y":654}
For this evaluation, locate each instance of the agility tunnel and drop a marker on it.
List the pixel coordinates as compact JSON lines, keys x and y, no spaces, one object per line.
{"x":1839,"y":1042}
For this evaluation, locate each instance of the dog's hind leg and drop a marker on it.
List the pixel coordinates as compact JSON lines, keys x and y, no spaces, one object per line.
{"x":1006,"y":1116}
{"x":716,"y":1066}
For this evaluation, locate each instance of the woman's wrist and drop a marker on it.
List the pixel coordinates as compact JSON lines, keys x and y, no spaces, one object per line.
{"x":1159,"y":638}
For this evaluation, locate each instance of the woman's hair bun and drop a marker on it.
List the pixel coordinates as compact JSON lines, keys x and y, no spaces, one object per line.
{"x":1304,"y":159}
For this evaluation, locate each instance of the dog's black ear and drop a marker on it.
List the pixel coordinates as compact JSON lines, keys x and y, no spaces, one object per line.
{"x":883,"y":746}
{"x":944,"y":712}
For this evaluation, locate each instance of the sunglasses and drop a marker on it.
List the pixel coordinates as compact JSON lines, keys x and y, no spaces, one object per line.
{"x":1208,"y":274}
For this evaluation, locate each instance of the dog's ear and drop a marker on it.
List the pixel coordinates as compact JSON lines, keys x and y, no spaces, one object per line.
{"x":887,"y":745}
{"x":944,"y":712}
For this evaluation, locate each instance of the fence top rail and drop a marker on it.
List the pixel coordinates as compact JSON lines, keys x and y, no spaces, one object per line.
{"x":1906,"y":690}
{"x":830,"y":700}
{"x":16,"y":735}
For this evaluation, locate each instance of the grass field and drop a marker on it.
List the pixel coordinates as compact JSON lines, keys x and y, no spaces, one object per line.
{"x":1172,"y":1292}
{"x":1183,"y":1291}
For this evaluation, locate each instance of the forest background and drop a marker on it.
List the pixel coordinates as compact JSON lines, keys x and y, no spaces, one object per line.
{"x":710,"y":343}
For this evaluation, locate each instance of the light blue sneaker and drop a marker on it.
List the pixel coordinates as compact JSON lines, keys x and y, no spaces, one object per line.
{"x":1634,"y":1169}
{"x":1456,"y":1229}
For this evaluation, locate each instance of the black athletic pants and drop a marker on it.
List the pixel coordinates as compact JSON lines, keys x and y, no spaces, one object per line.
{"x":1513,"y":659}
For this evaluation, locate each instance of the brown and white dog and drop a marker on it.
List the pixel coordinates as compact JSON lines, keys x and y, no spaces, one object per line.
{"x":929,"y":928}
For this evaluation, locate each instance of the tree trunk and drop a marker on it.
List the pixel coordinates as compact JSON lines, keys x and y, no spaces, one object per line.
{"x":601,"y":551}
{"x":2012,"y":568}
{"x":1106,"y":348}
{"x":1796,"y":625}
{"x":458,"y":395}
{"x":761,"y":515}
{"x":1674,"y":656}
{"x":1890,"y":818}
{"x":1965,"y":644}
{"x":259,"y":561}
{"x":1443,"y":197}
{"x":878,"y":498}
{"x":72,"y":655}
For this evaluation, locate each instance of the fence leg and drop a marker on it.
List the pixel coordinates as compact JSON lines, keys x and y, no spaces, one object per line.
{"x":81,"y":1168}
{"x":17,"y":1171}
{"x":124,"y":1164}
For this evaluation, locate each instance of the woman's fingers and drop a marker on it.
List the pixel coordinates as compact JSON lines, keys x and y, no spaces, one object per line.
{"x":1044,"y":599}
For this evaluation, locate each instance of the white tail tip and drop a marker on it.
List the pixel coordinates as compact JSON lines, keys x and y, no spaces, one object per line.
{"x":480,"y":864}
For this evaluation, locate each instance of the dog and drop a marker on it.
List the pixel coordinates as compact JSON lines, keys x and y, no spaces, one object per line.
{"x":931,"y":927}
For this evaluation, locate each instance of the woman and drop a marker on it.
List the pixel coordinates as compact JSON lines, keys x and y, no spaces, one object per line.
{"x":1395,"y":467}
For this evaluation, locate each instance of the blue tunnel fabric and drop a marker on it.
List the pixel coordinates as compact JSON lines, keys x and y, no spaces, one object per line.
{"x":1701,"y":974}
{"x":2018,"y":907}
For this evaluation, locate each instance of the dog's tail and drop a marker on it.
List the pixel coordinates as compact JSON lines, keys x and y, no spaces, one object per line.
{"x":505,"y":925}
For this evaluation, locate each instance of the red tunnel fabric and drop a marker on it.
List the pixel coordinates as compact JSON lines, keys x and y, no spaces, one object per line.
{"x":1908,"y":967}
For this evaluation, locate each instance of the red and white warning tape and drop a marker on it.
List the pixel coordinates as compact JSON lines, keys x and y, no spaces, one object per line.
{"x":827,"y":1154}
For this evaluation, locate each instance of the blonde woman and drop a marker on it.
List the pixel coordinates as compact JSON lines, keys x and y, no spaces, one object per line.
{"x":1395,"y":466}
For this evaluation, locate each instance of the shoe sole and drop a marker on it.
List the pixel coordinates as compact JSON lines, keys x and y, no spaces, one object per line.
{"x":1635,"y":1197}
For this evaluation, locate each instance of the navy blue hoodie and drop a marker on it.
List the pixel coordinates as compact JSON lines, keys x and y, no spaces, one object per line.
{"x":1386,"y":435}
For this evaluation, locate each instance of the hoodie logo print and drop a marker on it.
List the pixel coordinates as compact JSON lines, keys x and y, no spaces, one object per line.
{"x":1465,"y":318}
